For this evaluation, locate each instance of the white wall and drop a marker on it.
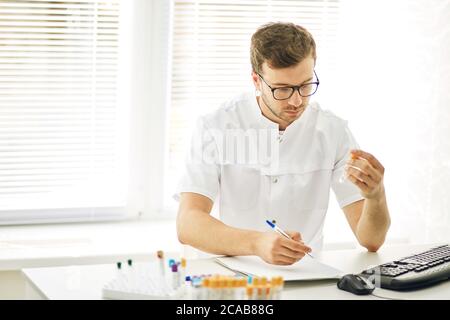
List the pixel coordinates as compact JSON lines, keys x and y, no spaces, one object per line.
{"x":392,"y":86}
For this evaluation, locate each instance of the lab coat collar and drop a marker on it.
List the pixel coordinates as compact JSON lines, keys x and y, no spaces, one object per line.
{"x":261,"y":121}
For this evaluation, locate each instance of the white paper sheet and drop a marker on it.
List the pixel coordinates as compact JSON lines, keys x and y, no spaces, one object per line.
{"x":305,"y":269}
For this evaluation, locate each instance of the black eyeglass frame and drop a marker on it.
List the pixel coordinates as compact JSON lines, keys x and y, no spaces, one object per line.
{"x":294,"y":88}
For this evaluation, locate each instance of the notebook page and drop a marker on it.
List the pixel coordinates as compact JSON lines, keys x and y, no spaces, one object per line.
{"x":305,"y":269}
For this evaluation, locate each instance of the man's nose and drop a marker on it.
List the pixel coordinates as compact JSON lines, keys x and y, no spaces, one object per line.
{"x":295,"y":99}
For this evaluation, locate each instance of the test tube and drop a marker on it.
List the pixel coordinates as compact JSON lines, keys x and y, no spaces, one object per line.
{"x":120,"y":274}
{"x":234,"y":289}
{"x":263,"y":286}
{"x":119,"y":268}
{"x":344,"y":175}
{"x":277,"y":287}
{"x":268,"y":292}
{"x":205,"y":288}
{"x":130,"y":274}
{"x":213,"y":292}
{"x":160,"y":255}
{"x":260,"y":292}
{"x":175,"y":275}
{"x":188,"y":287}
{"x":353,"y":145}
{"x":223,"y":290}
{"x":242,"y":288}
{"x":183,"y":269}
{"x":280,"y":287}
{"x":197,"y":289}
{"x":249,"y":292}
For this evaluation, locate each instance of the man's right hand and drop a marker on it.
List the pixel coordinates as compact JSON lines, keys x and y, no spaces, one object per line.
{"x":276,"y":249}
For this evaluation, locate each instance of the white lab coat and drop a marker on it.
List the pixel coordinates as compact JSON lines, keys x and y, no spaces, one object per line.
{"x":290,"y":186}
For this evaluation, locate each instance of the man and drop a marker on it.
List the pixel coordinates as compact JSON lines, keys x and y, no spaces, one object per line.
{"x":311,"y":156}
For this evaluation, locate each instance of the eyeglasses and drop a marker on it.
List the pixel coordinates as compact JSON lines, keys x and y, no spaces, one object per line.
{"x":284,"y":93}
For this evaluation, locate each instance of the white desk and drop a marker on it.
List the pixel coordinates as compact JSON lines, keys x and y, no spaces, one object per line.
{"x":86,"y":281}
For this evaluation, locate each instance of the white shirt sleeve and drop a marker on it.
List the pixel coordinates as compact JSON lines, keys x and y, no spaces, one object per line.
{"x":202,"y":170}
{"x":346,"y":192}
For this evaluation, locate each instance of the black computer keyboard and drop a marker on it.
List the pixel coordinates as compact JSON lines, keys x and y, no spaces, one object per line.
{"x":412,"y":272}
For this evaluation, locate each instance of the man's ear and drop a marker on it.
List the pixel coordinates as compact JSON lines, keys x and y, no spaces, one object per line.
{"x":256,"y":83}
{"x":255,"y":79}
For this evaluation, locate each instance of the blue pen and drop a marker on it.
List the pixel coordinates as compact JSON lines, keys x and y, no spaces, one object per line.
{"x":277,"y":229}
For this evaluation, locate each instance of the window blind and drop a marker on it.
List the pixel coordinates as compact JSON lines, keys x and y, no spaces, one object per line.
{"x":211,"y":60}
{"x":61,"y":136}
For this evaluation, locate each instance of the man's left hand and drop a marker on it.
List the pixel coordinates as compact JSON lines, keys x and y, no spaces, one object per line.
{"x":366,"y":172}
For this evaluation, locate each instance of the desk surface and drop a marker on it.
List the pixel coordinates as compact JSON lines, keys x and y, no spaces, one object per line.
{"x":86,"y":282}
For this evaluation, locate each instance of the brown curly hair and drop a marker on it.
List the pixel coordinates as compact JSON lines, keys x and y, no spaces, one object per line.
{"x":281,"y":45}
